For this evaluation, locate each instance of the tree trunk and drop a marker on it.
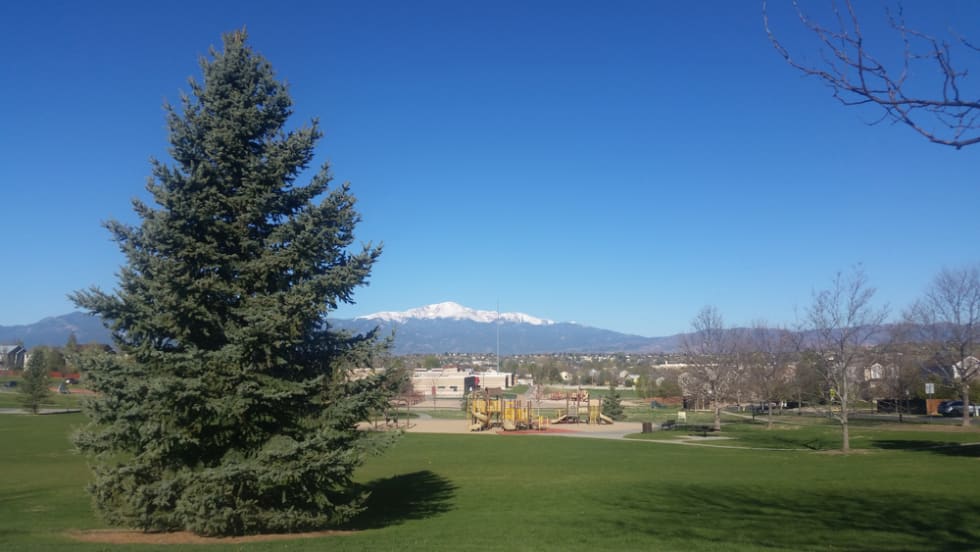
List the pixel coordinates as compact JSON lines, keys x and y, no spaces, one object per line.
{"x":844,"y":395}
{"x":769,"y":421}
{"x":966,"y":404}
{"x":717,"y":426}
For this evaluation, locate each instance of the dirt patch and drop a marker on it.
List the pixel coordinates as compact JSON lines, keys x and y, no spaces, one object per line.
{"x":111,"y":536}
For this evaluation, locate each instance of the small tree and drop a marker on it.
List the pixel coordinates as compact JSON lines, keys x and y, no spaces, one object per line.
{"x":71,"y":346}
{"x":771,"y":351}
{"x":612,"y":404}
{"x":710,"y":354}
{"x":669,"y":386}
{"x":34,"y":388}
{"x":843,"y":319}
{"x":54,"y":359}
{"x":947,"y":319}
{"x":71,"y":349}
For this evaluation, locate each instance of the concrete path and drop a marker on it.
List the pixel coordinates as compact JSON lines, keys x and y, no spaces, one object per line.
{"x":40,"y":411}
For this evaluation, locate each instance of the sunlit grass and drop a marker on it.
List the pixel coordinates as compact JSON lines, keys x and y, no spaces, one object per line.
{"x":904,"y":489}
{"x":12,"y":398}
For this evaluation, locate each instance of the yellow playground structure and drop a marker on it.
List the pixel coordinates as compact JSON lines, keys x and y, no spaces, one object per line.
{"x":485,"y":412}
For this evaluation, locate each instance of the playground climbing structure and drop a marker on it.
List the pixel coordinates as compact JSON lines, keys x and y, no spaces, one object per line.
{"x":485,"y":412}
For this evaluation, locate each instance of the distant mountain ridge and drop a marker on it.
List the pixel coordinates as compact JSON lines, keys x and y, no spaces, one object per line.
{"x":440,"y":328}
{"x":433,"y":329}
{"x":54,"y":331}
{"x":452,"y":328}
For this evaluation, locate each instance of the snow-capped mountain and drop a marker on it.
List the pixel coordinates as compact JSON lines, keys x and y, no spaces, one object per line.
{"x":455,"y":311}
{"x":441,"y":328}
{"x":453,"y":328}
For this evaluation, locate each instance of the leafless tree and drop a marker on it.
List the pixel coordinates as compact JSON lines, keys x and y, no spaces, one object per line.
{"x":807,"y":380}
{"x":948,"y":317}
{"x":843,"y":319}
{"x":709,"y":353}
{"x":944,"y":111}
{"x":901,"y":362}
{"x":771,"y":353}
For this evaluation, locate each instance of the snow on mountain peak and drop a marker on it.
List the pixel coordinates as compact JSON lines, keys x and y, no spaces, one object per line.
{"x":456,"y":311}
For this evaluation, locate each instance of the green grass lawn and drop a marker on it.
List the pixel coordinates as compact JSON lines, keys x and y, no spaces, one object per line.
{"x":12,"y":399}
{"x":445,"y":413}
{"x":624,"y":392}
{"x":903,"y":490}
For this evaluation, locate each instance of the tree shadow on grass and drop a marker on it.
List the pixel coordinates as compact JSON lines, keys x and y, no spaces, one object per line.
{"x":786,"y":440}
{"x":711,"y":516}
{"x":804,"y":444}
{"x":394,"y":500}
{"x":945,"y":448}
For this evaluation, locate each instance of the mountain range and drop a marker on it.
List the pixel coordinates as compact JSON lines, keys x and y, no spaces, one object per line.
{"x":440,"y":328}
{"x":54,"y":331}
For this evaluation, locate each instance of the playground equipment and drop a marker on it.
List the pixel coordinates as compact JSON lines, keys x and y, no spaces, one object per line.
{"x":577,"y":395}
{"x":485,"y":412}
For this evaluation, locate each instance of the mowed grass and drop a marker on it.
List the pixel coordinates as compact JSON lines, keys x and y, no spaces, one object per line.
{"x":903,"y":490}
{"x":13,"y":398}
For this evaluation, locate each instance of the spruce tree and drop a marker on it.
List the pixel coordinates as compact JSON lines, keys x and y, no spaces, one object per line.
{"x":34,"y":386}
{"x":612,"y":403}
{"x":231,"y":406}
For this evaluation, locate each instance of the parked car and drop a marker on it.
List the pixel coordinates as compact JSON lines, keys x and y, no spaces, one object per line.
{"x":955,"y":408}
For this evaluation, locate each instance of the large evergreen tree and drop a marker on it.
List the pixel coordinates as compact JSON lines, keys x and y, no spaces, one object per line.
{"x":232,"y":408}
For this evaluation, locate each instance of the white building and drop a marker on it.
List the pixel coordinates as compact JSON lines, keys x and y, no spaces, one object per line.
{"x":452,"y":382}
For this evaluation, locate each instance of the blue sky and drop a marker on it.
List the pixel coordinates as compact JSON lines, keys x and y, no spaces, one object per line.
{"x":618,"y":164}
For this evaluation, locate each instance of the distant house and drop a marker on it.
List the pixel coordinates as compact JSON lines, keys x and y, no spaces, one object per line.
{"x":875,"y":372}
{"x":12,"y":357}
{"x":969,"y":366}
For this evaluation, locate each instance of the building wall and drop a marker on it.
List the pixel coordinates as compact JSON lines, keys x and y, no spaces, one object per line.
{"x":451,"y":383}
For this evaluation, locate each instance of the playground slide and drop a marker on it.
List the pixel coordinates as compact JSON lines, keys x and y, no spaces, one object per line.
{"x":605,"y":419}
{"x":560,"y":419}
{"x":481,"y":424}
{"x":509,"y":425}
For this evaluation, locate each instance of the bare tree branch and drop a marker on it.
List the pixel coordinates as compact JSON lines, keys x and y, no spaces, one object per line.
{"x":857,"y":77}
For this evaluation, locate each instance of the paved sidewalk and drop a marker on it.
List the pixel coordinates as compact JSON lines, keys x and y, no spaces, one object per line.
{"x":41,"y":411}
